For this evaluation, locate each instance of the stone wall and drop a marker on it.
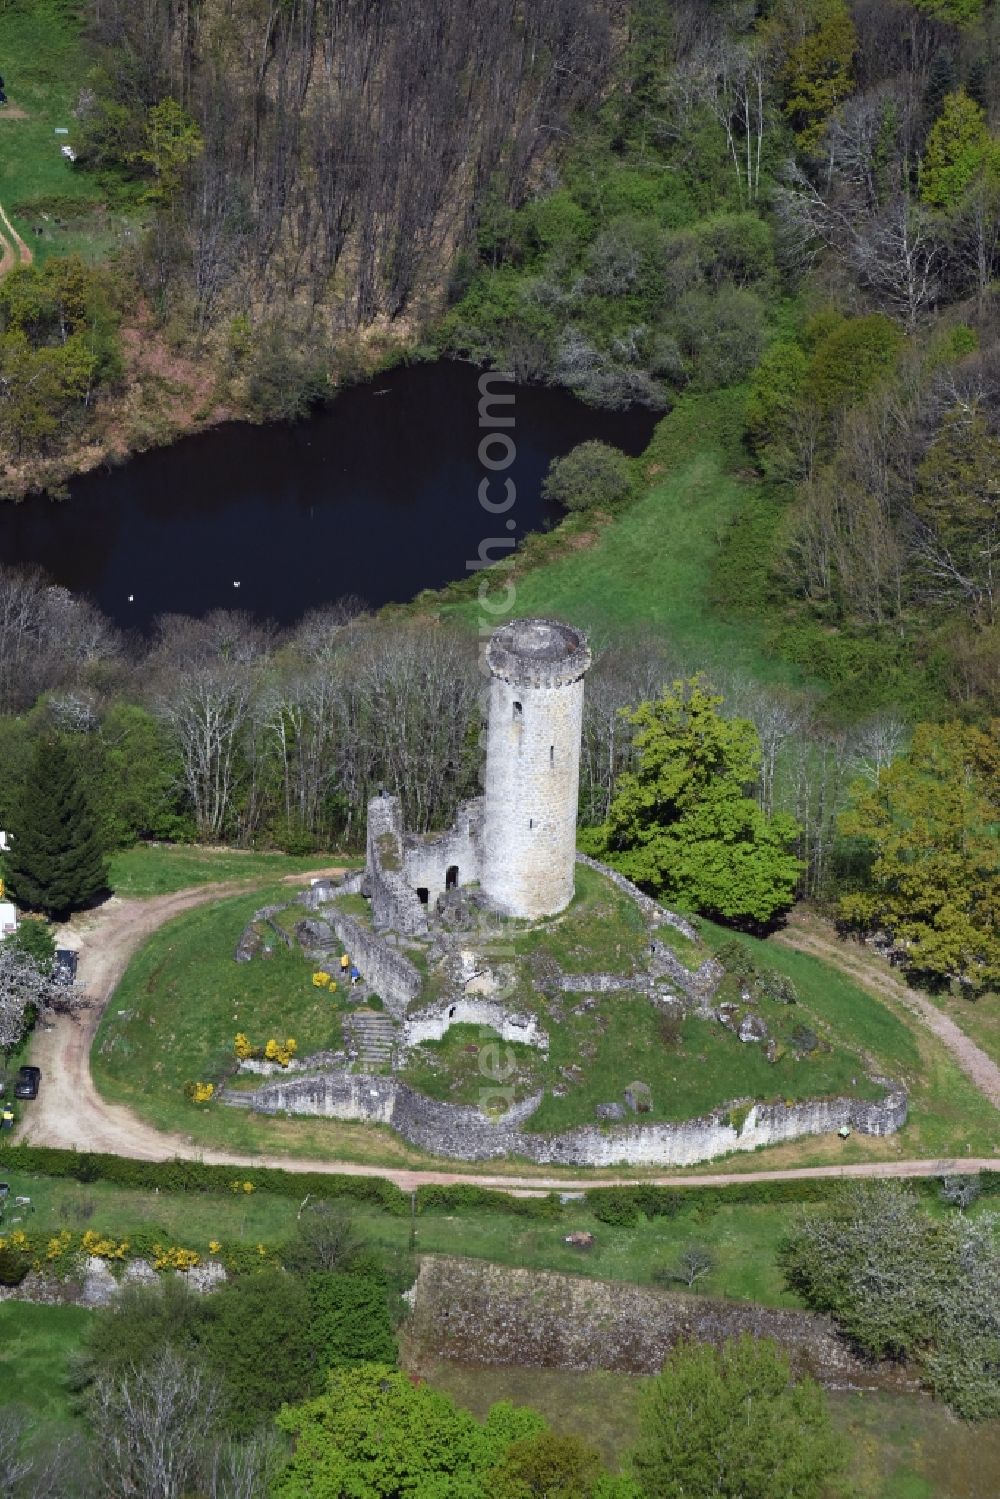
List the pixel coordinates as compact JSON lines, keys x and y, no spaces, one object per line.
{"x":252,"y":942}
{"x":385,"y":969}
{"x":428,"y":857}
{"x":395,"y":906}
{"x":461,"y":1132}
{"x":478,"y":1313}
{"x":435,"y":1021}
{"x":654,"y":913}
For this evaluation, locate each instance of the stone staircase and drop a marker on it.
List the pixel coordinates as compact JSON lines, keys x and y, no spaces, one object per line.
{"x":371,"y":1039}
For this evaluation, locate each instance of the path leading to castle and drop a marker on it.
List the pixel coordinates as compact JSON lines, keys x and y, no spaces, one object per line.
{"x":13,"y":250}
{"x":70,"y":1113}
{"x":810,"y":934}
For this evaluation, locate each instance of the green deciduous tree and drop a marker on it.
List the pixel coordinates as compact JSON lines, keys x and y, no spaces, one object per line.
{"x":731,"y":1421}
{"x":960,"y":155}
{"x":171,"y":143}
{"x":902,"y":1283}
{"x":820,"y":39}
{"x":930,"y":821}
{"x":549,"y":1465}
{"x":58,"y":343}
{"x":683,"y":824}
{"x":375,"y":1434}
{"x":959,"y":12}
{"x":57,"y":859}
{"x":35,"y":938}
{"x":592,"y":476}
{"x":957,"y":506}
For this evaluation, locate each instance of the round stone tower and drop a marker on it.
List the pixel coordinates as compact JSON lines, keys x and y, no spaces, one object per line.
{"x":533,"y":765}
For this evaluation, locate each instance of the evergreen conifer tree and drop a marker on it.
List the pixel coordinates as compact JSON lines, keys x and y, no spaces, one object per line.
{"x":56,"y":861}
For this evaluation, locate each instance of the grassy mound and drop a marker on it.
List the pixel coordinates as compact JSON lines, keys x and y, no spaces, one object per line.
{"x":183,"y":999}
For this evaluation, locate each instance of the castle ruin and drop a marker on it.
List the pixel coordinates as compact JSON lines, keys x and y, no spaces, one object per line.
{"x":518,"y":840}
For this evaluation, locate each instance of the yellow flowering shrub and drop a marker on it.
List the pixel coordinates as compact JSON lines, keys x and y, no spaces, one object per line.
{"x":242,"y":1186}
{"x":199,"y":1092}
{"x":321,"y":980}
{"x":103,"y":1246}
{"x":281,"y":1052}
{"x":243,"y":1047}
{"x":173,"y":1257}
{"x":214,"y":1246}
{"x":58,"y":1245}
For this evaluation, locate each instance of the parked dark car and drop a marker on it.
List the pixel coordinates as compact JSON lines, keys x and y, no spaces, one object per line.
{"x":64,"y":965}
{"x":28,"y":1079}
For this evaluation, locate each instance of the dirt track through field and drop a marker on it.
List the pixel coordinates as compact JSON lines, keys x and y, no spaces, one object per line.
{"x":70,"y":1113}
{"x":13,"y":250}
{"x":809,"y":934}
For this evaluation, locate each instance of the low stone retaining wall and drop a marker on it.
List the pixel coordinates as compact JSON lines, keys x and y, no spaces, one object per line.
{"x":386,"y":970}
{"x":251,"y":942}
{"x":654,"y":913}
{"x":462,"y":1133}
{"x":478,"y":1313}
{"x":434,"y":1022}
{"x":95,"y":1286}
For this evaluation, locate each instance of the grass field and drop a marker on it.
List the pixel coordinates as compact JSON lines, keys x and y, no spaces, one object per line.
{"x":36,"y":1345}
{"x":602,"y":931}
{"x":651,"y":568}
{"x":621,"y":1040}
{"x":743,"y":1239}
{"x":184,"y":998}
{"x":161,"y":868}
{"x":56,"y":208}
{"x":948,"y":1114}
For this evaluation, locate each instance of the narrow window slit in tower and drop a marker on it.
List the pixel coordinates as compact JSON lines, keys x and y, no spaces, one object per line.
{"x":518,"y":711}
{"x":531,"y":822}
{"x":552,"y":754}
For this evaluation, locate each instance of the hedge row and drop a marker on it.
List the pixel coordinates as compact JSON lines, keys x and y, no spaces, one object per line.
{"x":486,"y":1199}
{"x":625,"y":1205}
{"x":613,"y":1205}
{"x":198,"y":1176}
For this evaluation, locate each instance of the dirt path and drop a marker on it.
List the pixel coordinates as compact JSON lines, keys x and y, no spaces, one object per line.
{"x":13,"y":250}
{"x":70,"y":1113}
{"x":808,"y":933}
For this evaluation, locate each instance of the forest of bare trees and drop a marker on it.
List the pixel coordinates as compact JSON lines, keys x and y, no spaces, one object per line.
{"x":340,"y":151}
{"x":224,"y":729}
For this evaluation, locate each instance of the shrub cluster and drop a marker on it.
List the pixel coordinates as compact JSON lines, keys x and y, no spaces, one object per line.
{"x":485,"y":1199}
{"x":197,"y":1176}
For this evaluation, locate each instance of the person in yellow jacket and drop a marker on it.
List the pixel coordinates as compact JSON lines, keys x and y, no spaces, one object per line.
{"x":345,"y":964}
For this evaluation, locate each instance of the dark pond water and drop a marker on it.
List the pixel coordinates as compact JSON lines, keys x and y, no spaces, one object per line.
{"x":376,"y":496}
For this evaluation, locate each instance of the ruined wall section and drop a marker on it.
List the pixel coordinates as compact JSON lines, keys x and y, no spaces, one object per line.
{"x":395,"y":905}
{"x":435,"y":1021}
{"x":386,"y":970}
{"x":428,"y":857}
